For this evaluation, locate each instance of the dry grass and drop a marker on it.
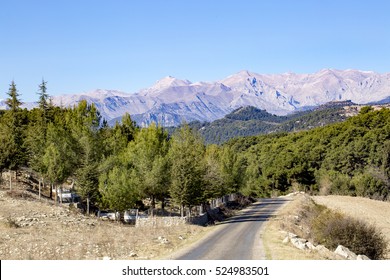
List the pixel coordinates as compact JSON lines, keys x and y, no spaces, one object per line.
{"x":273,"y":235}
{"x":34,"y":229}
{"x":373,"y":212}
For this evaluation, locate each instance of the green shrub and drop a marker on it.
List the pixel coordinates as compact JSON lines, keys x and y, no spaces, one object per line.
{"x":331,"y":228}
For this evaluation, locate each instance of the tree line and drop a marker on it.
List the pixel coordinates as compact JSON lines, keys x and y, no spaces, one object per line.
{"x":113,"y":167}
{"x":347,"y":158}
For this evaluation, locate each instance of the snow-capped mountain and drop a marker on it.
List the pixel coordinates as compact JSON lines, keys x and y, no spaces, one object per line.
{"x":170,"y":101}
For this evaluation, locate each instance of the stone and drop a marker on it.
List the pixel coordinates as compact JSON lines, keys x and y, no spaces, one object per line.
{"x":292,"y":235}
{"x":299,"y":243}
{"x":345,"y":253}
{"x":286,"y":240}
{"x":310,"y":245}
{"x":133,"y":255}
{"x":362,"y":258}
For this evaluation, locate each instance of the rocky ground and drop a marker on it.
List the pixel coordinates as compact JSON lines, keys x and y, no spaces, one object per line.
{"x":33,"y":229}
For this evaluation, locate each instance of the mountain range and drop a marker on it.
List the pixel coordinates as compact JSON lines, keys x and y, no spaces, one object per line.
{"x":170,"y":101}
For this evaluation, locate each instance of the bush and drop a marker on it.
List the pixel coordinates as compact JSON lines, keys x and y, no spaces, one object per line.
{"x":331,"y":229}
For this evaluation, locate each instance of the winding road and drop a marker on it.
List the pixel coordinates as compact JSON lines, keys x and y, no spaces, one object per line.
{"x":237,"y":238}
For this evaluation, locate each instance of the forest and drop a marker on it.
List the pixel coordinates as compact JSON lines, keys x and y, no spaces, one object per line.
{"x":117,"y":167}
{"x":250,"y":121}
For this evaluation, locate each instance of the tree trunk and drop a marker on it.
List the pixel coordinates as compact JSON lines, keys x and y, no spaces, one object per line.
{"x":163,"y":204}
{"x":61,"y":195}
{"x":153,"y":205}
{"x":182,"y":210}
{"x":51,"y":190}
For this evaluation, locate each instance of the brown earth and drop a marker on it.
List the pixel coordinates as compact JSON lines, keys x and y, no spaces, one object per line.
{"x":33,"y":229}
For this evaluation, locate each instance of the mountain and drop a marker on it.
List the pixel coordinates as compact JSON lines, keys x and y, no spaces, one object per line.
{"x":249,"y":121}
{"x":170,"y":101}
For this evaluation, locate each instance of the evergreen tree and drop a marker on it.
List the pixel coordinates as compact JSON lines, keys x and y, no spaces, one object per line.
{"x":13,"y":102}
{"x":60,"y":158}
{"x":148,"y":155}
{"x":118,"y":189}
{"x":43,"y":97}
{"x":187,"y":167}
{"x":13,"y":121}
{"x":84,"y":122}
{"x":214,"y":183}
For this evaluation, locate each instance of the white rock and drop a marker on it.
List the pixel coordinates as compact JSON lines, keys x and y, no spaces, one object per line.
{"x":299,"y":243}
{"x":286,"y":240}
{"x":362,"y":258}
{"x":345,"y":252}
{"x":310,"y":245}
{"x":292,"y":235}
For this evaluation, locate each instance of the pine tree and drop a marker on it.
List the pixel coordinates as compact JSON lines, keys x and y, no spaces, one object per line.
{"x":187,"y":167}
{"x":148,"y":155}
{"x":118,"y":189}
{"x":13,"y":102}
{"x":12,"y":147}
{"x":43,"y":101}
{"x":60,"y":158}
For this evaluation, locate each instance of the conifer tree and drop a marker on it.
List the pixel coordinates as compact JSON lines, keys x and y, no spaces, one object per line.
{"x":43,"y":101}
{"x":187,"y":167}
{"x":148,"y":155}
{"x":12,"y":148}
{"x":13,"y":102}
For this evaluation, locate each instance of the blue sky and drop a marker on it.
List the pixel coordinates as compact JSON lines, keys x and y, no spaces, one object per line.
{"x":81,"y":45}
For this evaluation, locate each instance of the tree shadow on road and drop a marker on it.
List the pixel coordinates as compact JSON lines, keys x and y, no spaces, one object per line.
{"x":257,"y":212}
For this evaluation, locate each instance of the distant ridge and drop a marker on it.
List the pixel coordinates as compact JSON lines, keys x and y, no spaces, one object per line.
{"x":170,"y":101}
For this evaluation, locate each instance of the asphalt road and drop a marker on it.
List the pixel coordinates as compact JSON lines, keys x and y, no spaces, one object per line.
{"x":237,"y":238}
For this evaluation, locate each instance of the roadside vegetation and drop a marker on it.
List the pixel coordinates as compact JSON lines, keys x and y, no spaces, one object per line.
{"x":327,"y":227}
{"x":332,"y":228}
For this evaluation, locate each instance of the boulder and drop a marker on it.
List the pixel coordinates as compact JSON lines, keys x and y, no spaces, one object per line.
{"x":310,"y":246}
{"x":299,"y":243}
{"x":363,"y":258}
{"x":345,"y":253}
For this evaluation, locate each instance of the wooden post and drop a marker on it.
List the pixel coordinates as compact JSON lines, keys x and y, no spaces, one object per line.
{"x":61,"y":195}
{"x":10,"y":180}
{"x":56,"y":195}
{"x":39,"y":189}
{"x":88,"y":205}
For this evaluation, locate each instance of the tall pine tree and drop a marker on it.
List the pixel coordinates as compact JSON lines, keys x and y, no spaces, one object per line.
{"x":187,"y":167}
{"x":13,"y":102}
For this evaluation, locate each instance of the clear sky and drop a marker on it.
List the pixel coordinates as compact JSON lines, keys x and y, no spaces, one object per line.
{"x":127,"y":45}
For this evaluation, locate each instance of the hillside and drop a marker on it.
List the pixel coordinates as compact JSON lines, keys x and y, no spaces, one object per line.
{"x":249,"y":121}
